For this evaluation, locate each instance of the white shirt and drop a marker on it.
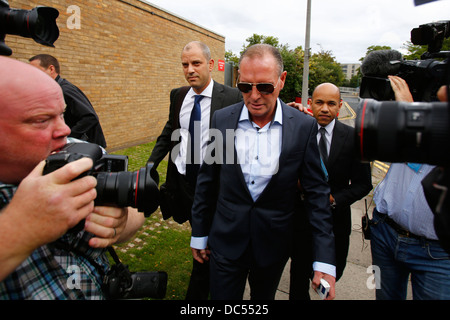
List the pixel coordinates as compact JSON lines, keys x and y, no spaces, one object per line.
{"x":185,"y":115}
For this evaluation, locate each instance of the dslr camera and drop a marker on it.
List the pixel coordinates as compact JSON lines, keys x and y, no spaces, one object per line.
{"x":118,"y":187}
{"x":115,"y":185}
{"x":38,"y":24}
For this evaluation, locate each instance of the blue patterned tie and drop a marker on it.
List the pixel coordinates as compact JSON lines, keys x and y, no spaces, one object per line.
{"x":193,"y":158}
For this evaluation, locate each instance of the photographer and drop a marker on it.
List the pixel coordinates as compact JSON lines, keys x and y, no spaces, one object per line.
{"x":79,"y":114}
{"x":403,"y":238}
{"x":39,"y":259}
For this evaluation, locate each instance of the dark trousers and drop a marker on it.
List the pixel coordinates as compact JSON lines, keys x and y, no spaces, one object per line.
{"x":301,"y":271}
{"x":229,"y":277}
{"x":199,"y":283}
{"x":198,"y":288}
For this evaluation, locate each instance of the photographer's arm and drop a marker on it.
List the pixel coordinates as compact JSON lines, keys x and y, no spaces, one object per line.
{"x":42,"y":209}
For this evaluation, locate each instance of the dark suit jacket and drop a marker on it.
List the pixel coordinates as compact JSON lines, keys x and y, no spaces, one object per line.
{"x":348,"y":178}
{"x":80,"y":115}
{"x":265,"y":226}
{"x":222,"y":96}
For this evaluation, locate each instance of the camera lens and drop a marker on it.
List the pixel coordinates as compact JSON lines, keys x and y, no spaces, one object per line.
{"x":136,"y":189}
{"x":38,"y":24}
{"x":403,"y":132}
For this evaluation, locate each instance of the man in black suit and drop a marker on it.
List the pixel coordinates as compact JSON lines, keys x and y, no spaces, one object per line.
{"x":79,"y":114}
{"x":349,"y":181}
{"x":178,"y":191}
{"x":261,"y":148}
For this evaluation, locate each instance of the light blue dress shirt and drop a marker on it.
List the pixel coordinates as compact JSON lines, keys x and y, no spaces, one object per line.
{"x":400,"y":195}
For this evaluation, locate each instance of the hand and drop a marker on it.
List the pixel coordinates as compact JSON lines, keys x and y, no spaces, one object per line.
{"x":47,"y":206}
{"x":43,"y":209}
{"x":401,"y":89}
{"x":300,"y":107}
{"x":201,"y":255}
{"x":107,"y":224}
{"x":442,"y":94}
{"x":330,"y":279}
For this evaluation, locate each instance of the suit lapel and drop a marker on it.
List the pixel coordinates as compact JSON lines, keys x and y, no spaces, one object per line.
{"x":216,"y":98}
{"x":232,"y":122}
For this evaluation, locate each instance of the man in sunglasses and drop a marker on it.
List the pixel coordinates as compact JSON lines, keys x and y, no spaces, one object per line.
{"x":244,"y":202}
{"x":178,"y":191}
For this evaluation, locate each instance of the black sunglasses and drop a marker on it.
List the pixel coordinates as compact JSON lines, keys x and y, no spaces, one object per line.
{"x":264,"y":88}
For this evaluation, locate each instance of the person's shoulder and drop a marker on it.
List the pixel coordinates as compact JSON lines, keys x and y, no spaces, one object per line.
{"x":292,"y":112}
{"x":230,"y":109}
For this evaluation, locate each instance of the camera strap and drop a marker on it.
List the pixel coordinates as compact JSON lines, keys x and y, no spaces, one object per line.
{"x":114,"y":255}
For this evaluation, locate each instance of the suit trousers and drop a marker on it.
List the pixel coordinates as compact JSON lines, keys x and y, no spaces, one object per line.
{"x":302,"y":255}
{"x":198,"y":288}
{"x":229,"y":277}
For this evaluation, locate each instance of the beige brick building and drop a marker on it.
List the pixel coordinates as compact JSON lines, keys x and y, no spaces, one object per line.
{"x":125,"y":57}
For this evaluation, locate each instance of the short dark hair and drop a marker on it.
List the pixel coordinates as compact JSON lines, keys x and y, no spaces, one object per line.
{"x":46,"y":61}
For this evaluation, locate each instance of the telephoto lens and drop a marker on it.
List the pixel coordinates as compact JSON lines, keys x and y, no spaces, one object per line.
{"x":403,"y":132}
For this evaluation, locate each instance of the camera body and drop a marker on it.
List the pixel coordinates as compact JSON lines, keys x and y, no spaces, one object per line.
{"x":424,"y":77}
{"x":120,"y":283}
{"x":115,"y":185}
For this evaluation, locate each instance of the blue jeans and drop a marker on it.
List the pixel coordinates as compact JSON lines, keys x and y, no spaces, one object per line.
{"x":398,"y":257}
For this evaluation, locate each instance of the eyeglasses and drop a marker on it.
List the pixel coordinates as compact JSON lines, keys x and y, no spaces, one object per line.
{"x":264,"y":88}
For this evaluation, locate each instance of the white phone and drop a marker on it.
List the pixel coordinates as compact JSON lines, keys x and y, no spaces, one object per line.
{"x":323,"y":289}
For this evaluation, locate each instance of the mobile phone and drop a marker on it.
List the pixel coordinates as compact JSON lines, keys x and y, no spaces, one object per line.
{"x":323,"y":289}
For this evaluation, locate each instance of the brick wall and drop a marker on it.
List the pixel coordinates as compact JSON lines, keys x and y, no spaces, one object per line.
{"x":125,"y":57}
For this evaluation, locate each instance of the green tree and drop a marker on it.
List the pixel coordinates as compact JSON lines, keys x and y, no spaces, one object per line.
{"x":415,"y":51}
{"x":231,"y":57}
{"x":324,"y":68}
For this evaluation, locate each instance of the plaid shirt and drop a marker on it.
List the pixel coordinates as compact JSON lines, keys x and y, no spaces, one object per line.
{"x":54,"y":272}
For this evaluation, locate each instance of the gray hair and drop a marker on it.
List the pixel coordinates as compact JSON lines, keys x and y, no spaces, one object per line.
{"x":259,"y":50}
{"x":201,"y":45}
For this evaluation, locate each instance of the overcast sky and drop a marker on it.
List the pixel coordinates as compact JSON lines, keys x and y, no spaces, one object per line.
{"x":346,"y":28}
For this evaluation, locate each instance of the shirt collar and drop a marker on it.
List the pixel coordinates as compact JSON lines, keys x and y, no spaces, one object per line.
{"x":329,"y":127}
{"x":277,"y":118}
{"x":206,"y":93}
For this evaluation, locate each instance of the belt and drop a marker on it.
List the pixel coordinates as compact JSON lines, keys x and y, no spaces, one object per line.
{"x":399,"y":229}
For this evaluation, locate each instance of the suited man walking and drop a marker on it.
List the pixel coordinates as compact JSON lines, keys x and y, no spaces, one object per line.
{"x":178,"y":191}
{"x":245,"y":229}
{"x":349,"y":181}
